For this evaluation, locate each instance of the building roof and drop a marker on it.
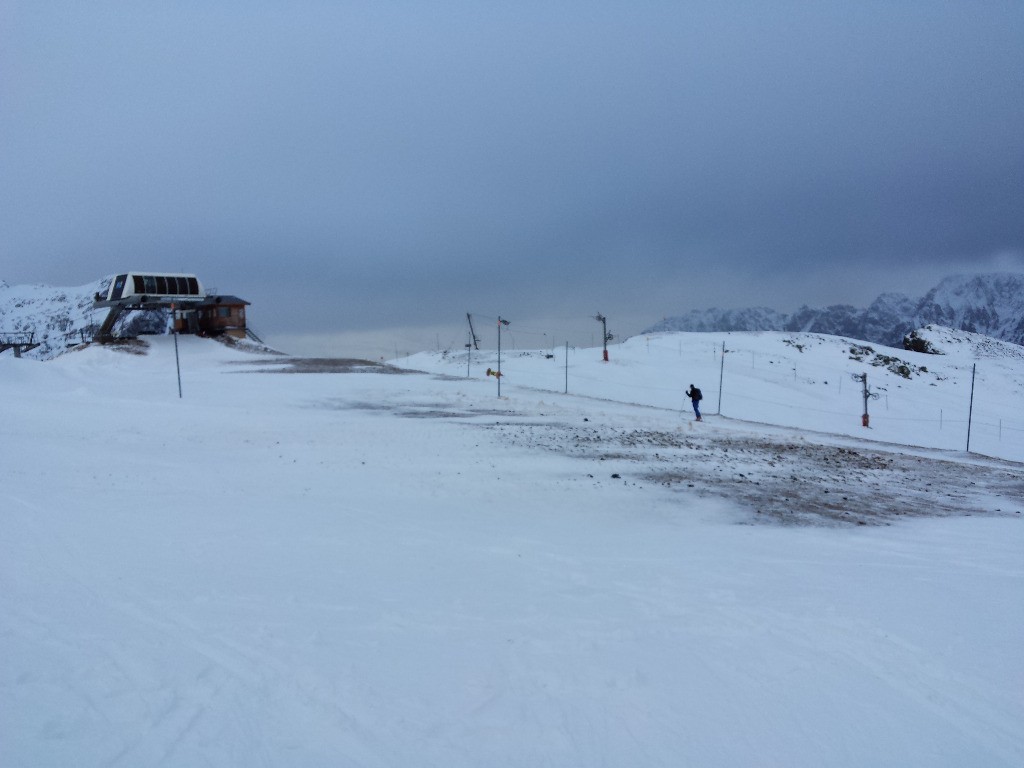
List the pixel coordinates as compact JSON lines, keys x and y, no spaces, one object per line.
{"x":215,"y":301}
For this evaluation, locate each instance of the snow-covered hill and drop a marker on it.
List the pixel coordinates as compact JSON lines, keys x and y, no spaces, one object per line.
{"x":805,"y":381}
{"x":291,"y":565}
{"x":991,"y":305}
{"x":378,"y":568}
{"x":942,"y":341}
{"x":55,"y":317}
{"x":58,"y":318}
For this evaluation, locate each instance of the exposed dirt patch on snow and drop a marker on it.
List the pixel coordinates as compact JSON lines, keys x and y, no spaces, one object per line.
{"x":128,"y":346}
{"x":791,"y":481}
{"x":321,"y":365}
{"x":422,"y":410}
{"x":788,"y":478}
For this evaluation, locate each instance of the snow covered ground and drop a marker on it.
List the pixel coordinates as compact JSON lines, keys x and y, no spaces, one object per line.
{"x":312,"y":563}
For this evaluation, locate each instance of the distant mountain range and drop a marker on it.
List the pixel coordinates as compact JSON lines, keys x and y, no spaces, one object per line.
{"x":991,"y":305}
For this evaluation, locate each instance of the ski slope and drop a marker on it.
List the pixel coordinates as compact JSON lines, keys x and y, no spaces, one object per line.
{"x":804,"y":381}
{"x":292,"y":566}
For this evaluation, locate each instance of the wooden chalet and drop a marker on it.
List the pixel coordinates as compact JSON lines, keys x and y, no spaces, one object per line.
{"x":213,"y":316}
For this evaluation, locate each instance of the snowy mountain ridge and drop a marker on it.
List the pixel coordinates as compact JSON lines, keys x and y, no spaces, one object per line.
{"x":61,"y":317}
{"x":991,"y":305}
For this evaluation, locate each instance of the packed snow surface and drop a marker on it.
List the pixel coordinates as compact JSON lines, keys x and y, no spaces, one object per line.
{"x":331,"y":563}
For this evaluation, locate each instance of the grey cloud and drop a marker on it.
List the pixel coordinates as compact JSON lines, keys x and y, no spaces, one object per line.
{"x":393,"y":162}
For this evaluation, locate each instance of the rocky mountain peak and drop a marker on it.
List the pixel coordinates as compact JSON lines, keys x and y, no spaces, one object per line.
{"x":991,"y":305}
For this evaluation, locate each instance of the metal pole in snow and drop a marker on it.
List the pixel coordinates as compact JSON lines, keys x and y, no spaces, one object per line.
{"x":567,"y":367}
{"x":970,"y":410}
{"x":863,"y":379}
{"x":177,"y":361}
{"x":605,"y":336}
{"x":497,"y":374}
{"x":721,"y":372}
{"x":865,"y":417}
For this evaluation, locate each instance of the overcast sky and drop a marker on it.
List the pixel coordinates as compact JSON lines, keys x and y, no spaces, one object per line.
{"x":365,"y":173}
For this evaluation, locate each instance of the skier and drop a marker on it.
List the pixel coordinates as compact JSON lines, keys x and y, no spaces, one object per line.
{"x":695,"y":397}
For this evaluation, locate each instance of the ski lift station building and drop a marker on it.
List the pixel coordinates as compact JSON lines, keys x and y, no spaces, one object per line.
{"x":194,"y":310}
